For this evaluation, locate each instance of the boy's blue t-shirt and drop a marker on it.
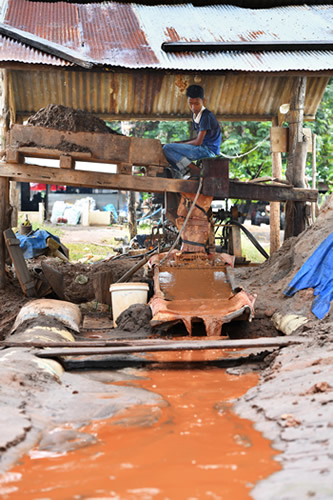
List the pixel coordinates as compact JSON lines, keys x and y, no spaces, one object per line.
{"x":213,"y":135}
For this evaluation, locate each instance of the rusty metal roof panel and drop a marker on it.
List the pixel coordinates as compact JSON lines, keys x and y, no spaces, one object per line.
{"x":12,"y":51}
{"x":156,"y":95}
{"x":57,"y":22}
{"x":131,"y":35}
{"x":113,"y":34}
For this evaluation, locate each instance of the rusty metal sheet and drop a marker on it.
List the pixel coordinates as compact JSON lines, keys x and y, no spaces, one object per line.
{"x":131,"y":35}
{"x":144,"y":95}
{"x":197,"y":289}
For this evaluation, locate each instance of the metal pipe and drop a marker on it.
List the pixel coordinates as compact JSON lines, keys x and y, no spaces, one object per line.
{"x":247,"y":46}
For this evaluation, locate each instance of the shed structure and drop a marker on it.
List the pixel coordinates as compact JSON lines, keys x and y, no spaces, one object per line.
{"x":134,"y":61}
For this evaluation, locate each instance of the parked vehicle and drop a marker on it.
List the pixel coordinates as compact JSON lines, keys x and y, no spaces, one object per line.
{"x":260,"y":215}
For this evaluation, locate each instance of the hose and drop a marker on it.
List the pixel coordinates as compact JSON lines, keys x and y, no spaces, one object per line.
{"x":185,"y":221}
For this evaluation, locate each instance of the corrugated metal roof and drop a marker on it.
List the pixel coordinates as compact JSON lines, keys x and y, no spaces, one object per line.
{"x":12,"y":51}
{"x":156,"y":95}
{"x":131,"y":35}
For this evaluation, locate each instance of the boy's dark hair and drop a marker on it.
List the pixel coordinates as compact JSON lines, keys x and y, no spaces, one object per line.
{"x":195,"y":91}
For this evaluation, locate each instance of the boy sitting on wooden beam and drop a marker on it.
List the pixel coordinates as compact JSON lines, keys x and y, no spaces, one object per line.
{"x":206,"y":144}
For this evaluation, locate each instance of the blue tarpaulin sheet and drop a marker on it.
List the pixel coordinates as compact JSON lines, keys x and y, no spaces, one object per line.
{"x":317,"y":273}
{"x":35,"y":244}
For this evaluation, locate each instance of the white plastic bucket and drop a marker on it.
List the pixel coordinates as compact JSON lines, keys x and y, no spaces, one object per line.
{"x":124,"y":295}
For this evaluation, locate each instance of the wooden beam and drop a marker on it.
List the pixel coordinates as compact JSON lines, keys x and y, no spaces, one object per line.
{"x":259,"y":192}
{"x":47,"y":46}
{"x":165,"y":345}
{"x":49,"y":175}
{"x":238,"y":190}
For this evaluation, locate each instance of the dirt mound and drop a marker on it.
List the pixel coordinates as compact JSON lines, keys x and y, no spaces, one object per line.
{"x":79,"y":278}
{"x":73,"y":120}
{"x":270,"y":279}
{"x":135,"y":318}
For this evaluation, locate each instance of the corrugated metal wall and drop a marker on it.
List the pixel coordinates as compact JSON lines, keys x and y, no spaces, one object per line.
{"x":158,"y":95}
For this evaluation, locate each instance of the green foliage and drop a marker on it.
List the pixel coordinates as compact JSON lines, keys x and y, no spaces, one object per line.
{"x":239,"y":138}
{"x":323,"y":127}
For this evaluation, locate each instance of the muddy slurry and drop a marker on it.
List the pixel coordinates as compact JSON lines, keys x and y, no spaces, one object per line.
{"x":192,"y":446}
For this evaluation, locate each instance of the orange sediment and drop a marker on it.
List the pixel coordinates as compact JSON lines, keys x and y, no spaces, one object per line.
{"x":194,"y":447}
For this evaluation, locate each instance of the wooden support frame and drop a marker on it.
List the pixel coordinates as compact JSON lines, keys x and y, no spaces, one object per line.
{"x":237,"y":189}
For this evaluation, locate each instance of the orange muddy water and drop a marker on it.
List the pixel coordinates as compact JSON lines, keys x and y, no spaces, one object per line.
{"x":193,"y":447}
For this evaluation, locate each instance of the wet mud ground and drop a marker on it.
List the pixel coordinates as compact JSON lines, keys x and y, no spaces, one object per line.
{"x":291,"y":405}
{"x":183,"y":441}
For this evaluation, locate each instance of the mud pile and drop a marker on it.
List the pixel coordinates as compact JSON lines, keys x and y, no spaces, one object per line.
{"x":270,"y":279}
{"x":79,"y":278}
{"x":61,"y":117}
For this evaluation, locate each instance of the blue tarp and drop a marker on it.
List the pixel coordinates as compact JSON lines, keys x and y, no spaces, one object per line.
{"x":111,"y":208}
{"x":35,"y":244}
{"x":317,"y":273}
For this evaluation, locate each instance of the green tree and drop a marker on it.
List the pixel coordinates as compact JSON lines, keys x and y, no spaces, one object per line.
{"x":323,"y":128}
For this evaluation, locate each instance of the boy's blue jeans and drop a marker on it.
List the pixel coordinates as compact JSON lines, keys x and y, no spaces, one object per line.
{"x":181,"y":155}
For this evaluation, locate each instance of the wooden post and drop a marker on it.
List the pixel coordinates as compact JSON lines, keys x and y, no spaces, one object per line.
{"x":274,"y":219}
{"x":314,"y":175}
{"x":4,"y":206}
{"x":4,"y":183}
{"x":295,"y":211}
{"x":132,"y":226}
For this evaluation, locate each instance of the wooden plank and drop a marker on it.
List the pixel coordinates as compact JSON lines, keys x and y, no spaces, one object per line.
{"x":49,"y":175}
{"x":190,"y":345}
{"x":246,"y":191}
{"x":46,"y":46}
{"x":101,"y":285}
{"x":279,"y":139}
{"x":52,"y":153}
{"x":236,"y":241}
{"x":109,"y":148}
{"x":237,"y":189}
{"x":25,"y":279}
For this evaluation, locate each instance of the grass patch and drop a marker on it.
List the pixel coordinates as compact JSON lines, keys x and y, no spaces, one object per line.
{"x":250,"y":252}
{"x":88,"y":252}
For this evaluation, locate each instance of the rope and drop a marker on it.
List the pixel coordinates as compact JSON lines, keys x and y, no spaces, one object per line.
{"x":185,"y":222}
{"x":248,"y":152}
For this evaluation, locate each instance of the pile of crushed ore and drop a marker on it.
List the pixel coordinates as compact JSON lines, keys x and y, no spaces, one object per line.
{"x":270,"y":279}
{"x":61,"y":117}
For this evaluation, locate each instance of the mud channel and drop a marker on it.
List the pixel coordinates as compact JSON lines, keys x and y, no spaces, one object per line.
{"x":185,"y":444}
